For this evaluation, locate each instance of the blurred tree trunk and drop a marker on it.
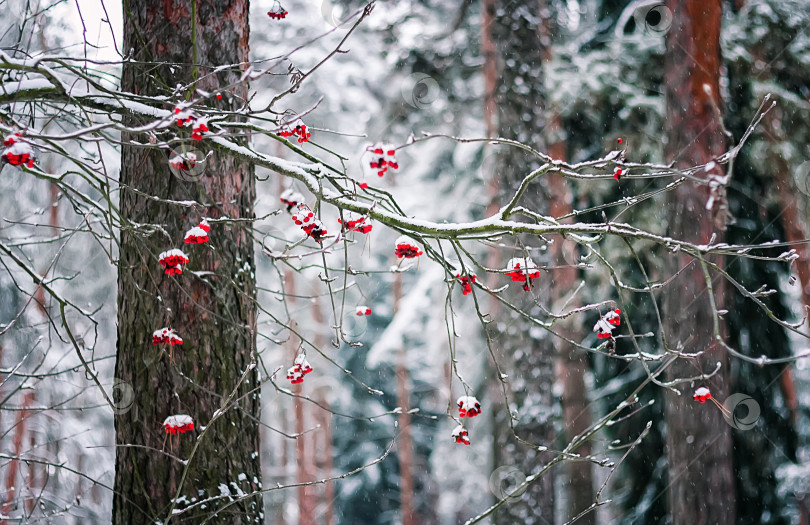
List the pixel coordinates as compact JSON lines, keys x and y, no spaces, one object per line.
{"x":323,"y":440}
{"x":795,"y":230}
{"x":572,"y":362}
{"x":304,"y":453}
{"x":305,"y":460}
{"x":701,"y":489}
{"x":13,"y":476}
{"x":325,"y":462}
{"x":404,"y":442}
{"x":177,"y":42}
{"x":519,"y":96}
{"x":489,"y":53}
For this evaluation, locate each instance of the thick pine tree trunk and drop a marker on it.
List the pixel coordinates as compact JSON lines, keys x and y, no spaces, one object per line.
{"x":211,"y":305}
{"x":519,"y":96}
{"x":701,"y":489}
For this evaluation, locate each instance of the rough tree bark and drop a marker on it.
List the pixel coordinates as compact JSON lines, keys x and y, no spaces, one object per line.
{"x":211,"y":305}
{"x":516,"y":33}
{"x":701,"y":489}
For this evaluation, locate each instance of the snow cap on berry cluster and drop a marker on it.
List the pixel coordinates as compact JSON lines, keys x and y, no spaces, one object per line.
{"x":356,"y":223}
{"x":312,"y":226}
{"x":382,"y":157}
{"x":522,"y":268}
{"x":172,"y":260}
{"x":184,"y":115}
{"x":178,"y":424}
{"x":291,"y":198}
{"x":702,"y":394}
{"x":460,"y":435}
{"x":295,"y":128}
{"x":468,"y":406}
{"x":17,"y":152}
{"x":166,"y":336}
{"x":605,"y":325}
{"x":198,"y":234}
{"x":300,"y":368}
{"x":11,"y":139}
{"x":466,"y":282}
{"x":200,"y":127}
{"x":183,"y":161}
{"x":407,"y":247}
{"x":277,"y":12}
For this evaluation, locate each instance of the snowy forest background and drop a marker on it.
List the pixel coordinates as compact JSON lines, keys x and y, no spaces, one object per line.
{"x":416,"y":67}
